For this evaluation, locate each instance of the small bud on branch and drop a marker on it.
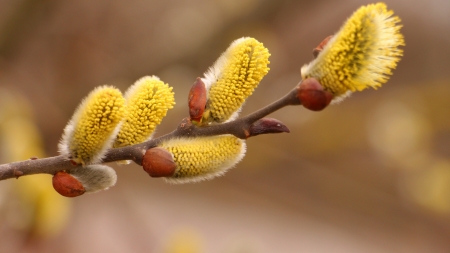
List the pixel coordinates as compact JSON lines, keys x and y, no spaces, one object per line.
{"x":312,"y":95}
{"x":267,"y":126}
{"x":197,"y":100}
{"x":158,"y":162}
{"x":66,"y":185}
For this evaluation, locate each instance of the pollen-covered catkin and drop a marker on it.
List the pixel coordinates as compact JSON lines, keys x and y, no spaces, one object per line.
{"x":93,"y":126}
{"x":202,"y":158}
{"x":362,"y":54}
{"x":233,"y":78}
{"x":147,"y":103}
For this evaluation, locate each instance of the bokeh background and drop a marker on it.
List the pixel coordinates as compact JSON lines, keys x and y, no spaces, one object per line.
{"x":371,"y":174}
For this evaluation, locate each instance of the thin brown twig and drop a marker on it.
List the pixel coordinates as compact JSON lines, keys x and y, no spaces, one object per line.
{"x":239,"y":128}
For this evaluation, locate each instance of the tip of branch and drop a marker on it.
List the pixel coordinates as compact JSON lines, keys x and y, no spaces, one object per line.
{"x":266,"y":126}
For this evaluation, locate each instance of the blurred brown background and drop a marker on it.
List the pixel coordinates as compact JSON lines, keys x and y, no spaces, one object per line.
{"x":371,"y":174}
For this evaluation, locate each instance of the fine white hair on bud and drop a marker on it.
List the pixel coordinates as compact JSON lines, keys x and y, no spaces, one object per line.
{"x":203,"y":158}
{"x":96,"y":177}
{"x":93,"y":126}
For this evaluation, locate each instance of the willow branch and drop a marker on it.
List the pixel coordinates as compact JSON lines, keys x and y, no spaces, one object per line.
{"x":239,"y":128}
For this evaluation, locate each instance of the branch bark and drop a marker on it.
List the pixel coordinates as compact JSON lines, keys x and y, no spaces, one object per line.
{"x":239,"y":128}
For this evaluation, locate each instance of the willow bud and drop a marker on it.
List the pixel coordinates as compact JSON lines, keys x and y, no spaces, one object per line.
{"x":158,"y":162}
{"x":197,"y":100}
{"x":312,"y":95}
{"x":66,"y":185}
{"x":267,"y":126}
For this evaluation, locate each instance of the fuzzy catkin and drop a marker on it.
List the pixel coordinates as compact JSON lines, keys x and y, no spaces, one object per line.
{"x":93,"y":126}
{"x":148,"y":101}
{"x":362,"y":54}
{"x":233,"y":78}
{"x":202,"y":158}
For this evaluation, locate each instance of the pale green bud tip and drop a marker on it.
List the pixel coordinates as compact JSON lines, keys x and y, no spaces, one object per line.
{"x":362,"y":54}
{"x":96,"y":177}
{"x":233,"y":78}
{"x":203,"y":158}
{"x":93,"y":126}
{"x":148,"y":101}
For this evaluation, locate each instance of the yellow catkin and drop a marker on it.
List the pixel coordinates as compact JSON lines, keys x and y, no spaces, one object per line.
{"x":362,"y":54}
{"x":203,"y":158}
{"x":148,"y":101}
{"x":93,"y":126}
{"x":233,"y":78}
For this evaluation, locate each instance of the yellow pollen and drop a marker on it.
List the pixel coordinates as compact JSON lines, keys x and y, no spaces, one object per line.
{"x":362,"y":54}
{"x":204,"y":157}
{"x":148,"y":101}
{"x":94,"y":124}
{"x":234,"y":77}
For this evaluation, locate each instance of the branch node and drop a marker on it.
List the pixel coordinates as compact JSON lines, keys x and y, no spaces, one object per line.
{"x":185,"y":124}
{"x":247,"y":133}
{"x":17,"y":173}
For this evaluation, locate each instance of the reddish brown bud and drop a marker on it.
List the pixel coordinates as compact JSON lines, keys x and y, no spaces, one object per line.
{"x":158,"y":162}
{"x":18,"y":173}
{"x":197,"y":100}
{"x":320,"y":47}
{"x":266,"y":126}
{"x":67,"y":185}
{"x":312,"y":95}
